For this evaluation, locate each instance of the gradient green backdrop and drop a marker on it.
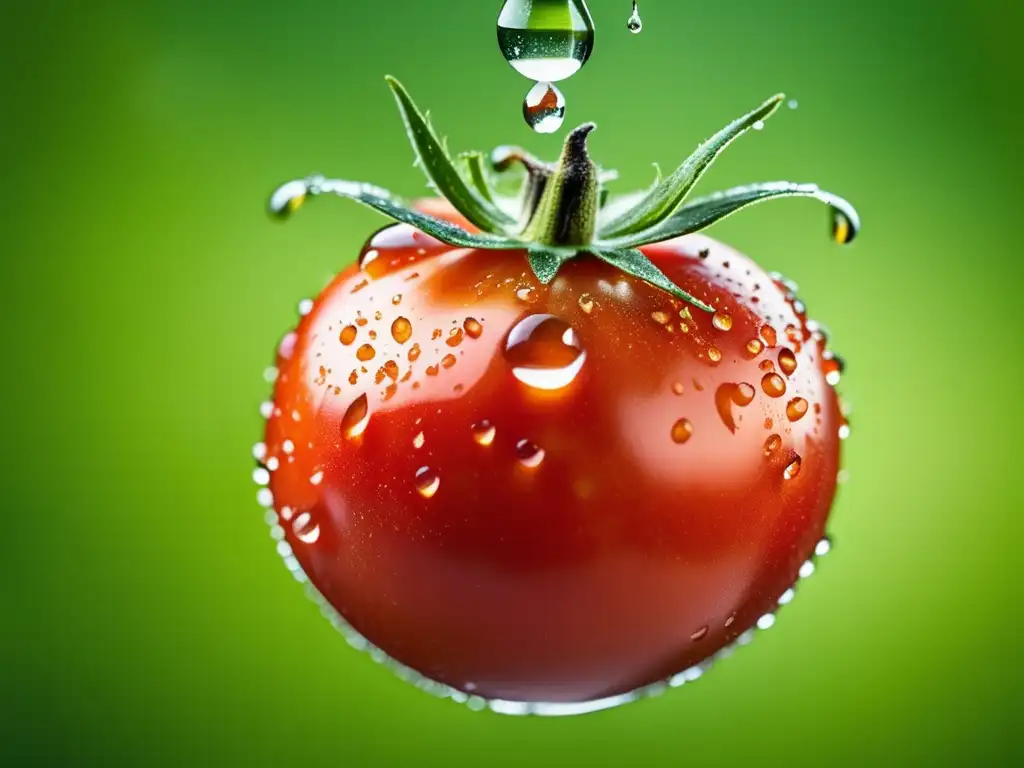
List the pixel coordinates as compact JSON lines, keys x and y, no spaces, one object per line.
{"x":146,"y":619}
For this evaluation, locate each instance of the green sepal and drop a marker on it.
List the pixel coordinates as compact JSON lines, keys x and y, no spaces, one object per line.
{"x":669,"y":194}
{"x":545,"y":262}
{"x":634,"y":262}
{"x":475,"y":166}
{"x":384,"y":202}
{"x":441,"y":171}
{"x":703,"y":212}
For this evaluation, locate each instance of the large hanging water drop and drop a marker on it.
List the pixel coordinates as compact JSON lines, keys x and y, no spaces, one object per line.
{"x":544,"y":108}
{"x":546,"y":40}
{"x":635,"y":24}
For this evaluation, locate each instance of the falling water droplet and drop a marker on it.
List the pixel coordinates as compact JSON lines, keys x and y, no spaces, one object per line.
{"x":635,"y":24}
{"x":529,"y":454}
{"x":427,"y":482}
{"x":356,"y":418}
{"x":544,"y":108}
{"x":844,"y":229}
{"x":546,"y":40}
{"x":682,"y":431}
{"x":305,"y":529}
{"x":544,"y":352}
{"x":288,"y":198}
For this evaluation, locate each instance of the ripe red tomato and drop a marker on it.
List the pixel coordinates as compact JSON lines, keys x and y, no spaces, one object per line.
{"x":556,"y":493}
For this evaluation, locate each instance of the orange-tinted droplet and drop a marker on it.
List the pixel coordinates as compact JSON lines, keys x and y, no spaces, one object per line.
{"x":401,"y":330}
{"x":366,"y":352}
{"x":484,"y":432}
{"x":796,"y":409}
{"x":348,"y":334}
{"x":678,"y":388}
{"x":353,"y":377}
{"x":722,"y":321}
{"x":754,"y":347}
{"x":766,"y":365}
{"x":544,"y":352}
{"x":455,"y":337}
{"x":772,"y":444}
{"x":391,"y":369}
{"x":682,"y":431}
{"x":699,"y":634}
{"x":427,"y":482}
{"x":743,"y":394}
{"x":793,"y":469}
{"x":769,"y":336}
{"x":433,"y":370}
{"x":356,"y":418}
{"x":414,"y":353}
{"x":586,"y":303}
{"x":396,"y":299}
{"x":787,"y":361}
{"x":448,"y":360}
{"x":714,"y":354}
{"x":773,"y":385}
{"x":473,"y":328}
{"x":661,"y":318}
{"x":418,"y":441}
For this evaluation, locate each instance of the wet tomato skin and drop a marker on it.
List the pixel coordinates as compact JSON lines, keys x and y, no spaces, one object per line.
{"x":566,"y":542}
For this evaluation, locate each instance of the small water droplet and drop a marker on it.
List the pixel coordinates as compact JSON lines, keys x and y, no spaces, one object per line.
{"x":288,"y":198}
{"x":473,"y":328}
{"x":844,"y":430}
{"x":356,"y":418}
{"x":772,"y":444}
{"x":678,"y":388}
{"x":758,"y":126}
{"x":787,"y":361}
{"x":544,"y":352}
{"x":786,"y":597}
{"x":769,"y":336}
{"x":273,"y":463}
{"x":396,"y":299}
{"x":714,"y":354}
{"x":348,"y":334}
{"x":266,"y":409}
{"x":793,"y":469}
{"x":418,"y":441}
{"x":754,"y":347}
{"x":773,"y":385}
{"x":544,"y":108}
{"x":264,"y":497}
{"x":305,"y":529}
{"x":317,"y":477}
{"x":586,"y":303}
{"x":722,"y":321}
{"x":260,"y":476}
{"x":661,"y":318}
{"x":288,"y":447}
{"x":366,"y":352}
{"x":455,"y":336}
{"x":796,"y":409}
{"x":259,"y":451}
{"x":448,"y":361}
{"x":823,"y":547}
{"x":700,"y":633}
{"x":844,"y":229}
{"x":682,"y":431}
{"x":529,"y":454}
{"x":730,"y":620}
{"x":806,"y":570}
{"x":635,"y":24}
{"x":427,"y":482}
{"x":270,"y":374}
{"x":546,"y":41}
{"x":401,"y":330}
{"x":484,"y":432}
{"x":766,"y":622}
{"x":305,"y":307}
{"x":793,"y":104}
{"x":414,"y":353}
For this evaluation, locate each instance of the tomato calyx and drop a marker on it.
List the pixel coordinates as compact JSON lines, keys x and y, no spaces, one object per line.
{"x":563,"y":209}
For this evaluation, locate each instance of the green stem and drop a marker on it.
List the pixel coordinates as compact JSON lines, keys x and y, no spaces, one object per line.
{"x":567,"y":212}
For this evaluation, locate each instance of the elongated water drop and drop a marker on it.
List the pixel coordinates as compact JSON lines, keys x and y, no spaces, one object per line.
{"x":635,"y":23}
{"x":288,"y":198}
{"x":544,"y":108}
{"x":546,"y":40}
{"x":844,"y":229}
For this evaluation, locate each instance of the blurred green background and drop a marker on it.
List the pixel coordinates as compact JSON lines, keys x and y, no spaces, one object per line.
{"x":146,"y":617}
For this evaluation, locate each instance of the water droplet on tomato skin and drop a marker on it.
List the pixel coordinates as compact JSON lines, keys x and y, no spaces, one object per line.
{"x":483,"y":432}
{"x":787,"y":361}
{"x":305,"y":529}
{"x":401,"y":330}
{"x":544,"y":352}
{"x":586,"y":303}
{"x":823,"y":547}
{"x":427,"y":481}
{"x":682,"y":431}
{"x":793,"y":469}
{"x":772,"y":444}
{"x":473,"y":328}
{"x":366,"y":352}
{"x":722,"y":321}
{"x":348,"y":334}
{"x":773,"y":385}
{"x":766,"y":622}
{"x":796,"y":409}
{"x":769,"y":336}
{"x":530,"y":455}
{"x":356,"y":418}
{"x":754,"y":347}
{"x":714,"y":355}
{"x":418,"y":441}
